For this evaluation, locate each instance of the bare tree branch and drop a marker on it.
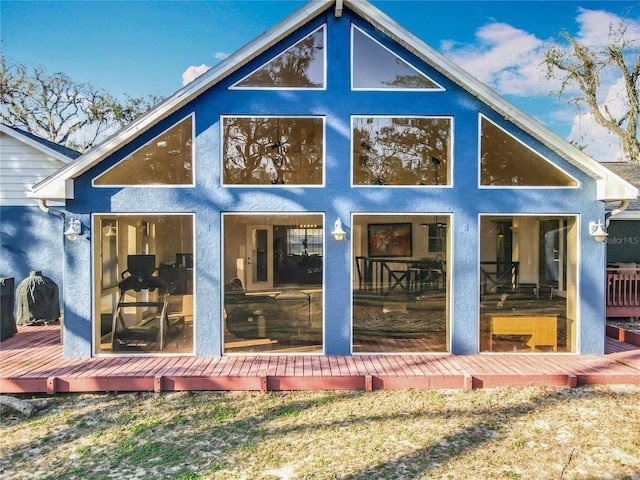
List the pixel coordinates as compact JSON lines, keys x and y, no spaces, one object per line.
{"x":584,"y":68}
{"x":55,"y":107}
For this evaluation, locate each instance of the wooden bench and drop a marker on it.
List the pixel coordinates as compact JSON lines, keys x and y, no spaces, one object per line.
{"x":542,"y":329}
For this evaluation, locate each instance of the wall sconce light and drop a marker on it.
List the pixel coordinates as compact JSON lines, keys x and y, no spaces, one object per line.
{"x":597,"y":231}
{"x":111,"y":231}
{"x":338,"y":232}
{"x":74,"y":230}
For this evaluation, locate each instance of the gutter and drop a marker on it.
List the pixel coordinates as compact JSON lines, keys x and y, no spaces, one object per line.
{"x":616,"y":211}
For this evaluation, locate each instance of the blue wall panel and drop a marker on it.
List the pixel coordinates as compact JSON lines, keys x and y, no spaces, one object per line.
{"x":31,"y":239}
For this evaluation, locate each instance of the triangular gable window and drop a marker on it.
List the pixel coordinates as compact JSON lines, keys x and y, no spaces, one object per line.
{"x":506,"y":162}
{"x":165,"y":160}
{"x":300,"y":66}
{"x":375,"y":67}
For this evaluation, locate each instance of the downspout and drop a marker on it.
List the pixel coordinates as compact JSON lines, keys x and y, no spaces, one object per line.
{"x":623,"y":206}
{"x":42,"y":203}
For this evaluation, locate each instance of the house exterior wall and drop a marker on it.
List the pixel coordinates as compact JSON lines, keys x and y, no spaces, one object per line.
{"x":29,"y":239}
{"x":464,"y":201}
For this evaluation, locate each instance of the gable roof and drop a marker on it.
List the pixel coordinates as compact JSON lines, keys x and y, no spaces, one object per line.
{"x":610,"y":187}
{"x":57,"y":151}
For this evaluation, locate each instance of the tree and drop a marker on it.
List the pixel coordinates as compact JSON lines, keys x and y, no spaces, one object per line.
{"x":55,"y":107}
{"x":585,"y":68}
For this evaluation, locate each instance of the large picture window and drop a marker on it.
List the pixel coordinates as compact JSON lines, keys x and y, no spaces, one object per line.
{"x":528,"y":284}
{"x":301,"y":66}
{"x":273,"y":150}
{"x":273,"y":276}
{"x":401,"y":150}
{"x":165,"y":160}
{"x":375,"y":67}
{"x":144,"y":286}
{"x":507,"y":162}
{"x":400,"y":293}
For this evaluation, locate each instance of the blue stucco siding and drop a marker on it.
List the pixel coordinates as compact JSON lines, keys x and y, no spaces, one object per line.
{"x":31,"y":239}
{"x":208,"y":200}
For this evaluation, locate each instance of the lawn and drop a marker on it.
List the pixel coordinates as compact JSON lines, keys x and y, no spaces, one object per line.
{"x":531,"y":432}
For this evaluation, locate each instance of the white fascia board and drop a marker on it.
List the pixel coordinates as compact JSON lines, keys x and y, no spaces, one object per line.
{"x":34,"y":144}
{"x":58,"y":183}
{"x":610,"y":187}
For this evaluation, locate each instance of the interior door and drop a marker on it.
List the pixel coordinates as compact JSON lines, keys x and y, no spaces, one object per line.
{"x":259,"y":273}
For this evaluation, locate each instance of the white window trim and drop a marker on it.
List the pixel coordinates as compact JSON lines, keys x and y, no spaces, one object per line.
{"x":276,"y":186}
{"x":518,"y":187}
{"x":546,"y":215}
{"x":449,"y":289}
{"x":324,"y":282}
{"x":236,"y":85}
{"x":158,"y":185}
{"x":437,"y":88}
{"x":95,"y":239}
{"x":451,"y":154}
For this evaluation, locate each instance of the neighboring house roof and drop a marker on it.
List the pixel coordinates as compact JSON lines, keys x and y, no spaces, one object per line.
{"x":610,"y":187}
{"x":26,"y":159}
{"x":631,"y":173}
{"x":59,"y":152}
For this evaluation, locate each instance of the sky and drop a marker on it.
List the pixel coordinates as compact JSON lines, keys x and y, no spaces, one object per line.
{"x":153,"y":47}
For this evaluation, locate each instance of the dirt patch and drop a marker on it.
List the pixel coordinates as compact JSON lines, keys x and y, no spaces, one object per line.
{"x":527,"y":433}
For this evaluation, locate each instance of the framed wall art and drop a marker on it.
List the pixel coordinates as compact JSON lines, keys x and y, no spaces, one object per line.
{"x":390,"y":239}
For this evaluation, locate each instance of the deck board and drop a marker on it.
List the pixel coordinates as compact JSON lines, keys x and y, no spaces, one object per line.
{"x":32,"y":362}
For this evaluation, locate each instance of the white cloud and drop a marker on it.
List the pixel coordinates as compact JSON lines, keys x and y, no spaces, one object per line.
{"x":595,"y":26}
{"x":193,"y":72}
{"x":220,"y":55}
{"x":504,"y":57}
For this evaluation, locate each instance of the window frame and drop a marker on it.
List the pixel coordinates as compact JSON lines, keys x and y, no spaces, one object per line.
{"x":158,"y":185}
{"x":272,"y":185}
{"x":536,"y":152}
{"x":96,"y":283}
{"x":322,"y":27}
{"x":573,"y":251}
{"x":259,"y":216}
{"x":450,"y":166}
{"x":401,"y":217}
{"x":437,"y":88}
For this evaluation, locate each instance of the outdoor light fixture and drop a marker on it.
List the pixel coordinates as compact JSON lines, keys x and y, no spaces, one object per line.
{"x":74,"y":230}
{"x":597,"y":231}
{"x":338,"y":232}
{"x":111,"y":231}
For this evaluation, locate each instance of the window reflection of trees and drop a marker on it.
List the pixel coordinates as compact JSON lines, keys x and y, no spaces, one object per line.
{"x":506,"y":162}
{"x":399,"y":151}
{"x":410,"y":81}
{"x":376,"y":67}
{"x":263,"y":150}
{"x":166,"y":160}
{"x":293,"y":68}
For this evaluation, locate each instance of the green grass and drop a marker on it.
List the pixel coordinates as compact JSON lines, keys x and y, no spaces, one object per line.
{"x":532,"y":432}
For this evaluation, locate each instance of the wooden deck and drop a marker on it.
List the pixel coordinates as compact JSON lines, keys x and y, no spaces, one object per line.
{"x":32,"y":362}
